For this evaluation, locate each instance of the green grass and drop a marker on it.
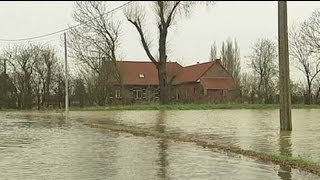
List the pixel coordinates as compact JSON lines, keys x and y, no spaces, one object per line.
{"x":193,"y":107}
{"x":155,"y":106}
{"x":32,"y":110}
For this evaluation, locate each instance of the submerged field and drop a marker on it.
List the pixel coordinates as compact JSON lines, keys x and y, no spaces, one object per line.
{"x":159,"y":144}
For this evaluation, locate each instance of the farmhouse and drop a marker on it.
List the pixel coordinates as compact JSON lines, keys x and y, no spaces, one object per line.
{"x":206,"y":82}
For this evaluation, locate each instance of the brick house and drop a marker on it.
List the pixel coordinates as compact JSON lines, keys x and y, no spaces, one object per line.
{"x":205,"y":82}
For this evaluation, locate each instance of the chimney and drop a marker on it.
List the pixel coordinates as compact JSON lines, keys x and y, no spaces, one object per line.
{"x":218,"y":60}
{"x":198,"y":62}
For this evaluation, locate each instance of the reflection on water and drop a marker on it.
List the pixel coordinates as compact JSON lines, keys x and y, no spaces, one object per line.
{"x":285,"y":143}
{"x":163,"y":161}
{"x":285,"y":146}
{"x":41,"y":146}
{"x":163,"y":146}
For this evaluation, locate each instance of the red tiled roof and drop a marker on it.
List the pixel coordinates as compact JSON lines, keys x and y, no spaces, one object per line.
{"x":193,"y":73}
{"x":218,"y":83}
{"x":130,"y":71}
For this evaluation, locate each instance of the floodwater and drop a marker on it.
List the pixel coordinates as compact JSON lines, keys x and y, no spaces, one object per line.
{"x":257,"y":130}
{"x":48,"y":146}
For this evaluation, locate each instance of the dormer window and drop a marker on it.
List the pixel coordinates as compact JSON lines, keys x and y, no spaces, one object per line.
{"x":141,"y":76}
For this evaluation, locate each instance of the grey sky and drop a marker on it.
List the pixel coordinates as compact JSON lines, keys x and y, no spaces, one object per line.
{"x":190,"y":39}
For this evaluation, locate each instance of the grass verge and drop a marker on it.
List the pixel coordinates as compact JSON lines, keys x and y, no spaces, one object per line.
{"x":138,"y":107}
{"x":193,"y":107}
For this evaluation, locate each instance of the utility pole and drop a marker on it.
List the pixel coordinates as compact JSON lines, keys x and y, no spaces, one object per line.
{"x":284,"y":75}
{"x":66,"y":73}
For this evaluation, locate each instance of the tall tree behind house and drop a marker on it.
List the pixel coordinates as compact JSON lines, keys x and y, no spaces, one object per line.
{"x":230,"y":57}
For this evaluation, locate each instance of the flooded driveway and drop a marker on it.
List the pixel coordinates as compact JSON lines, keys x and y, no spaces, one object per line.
{"x":48,"y":146}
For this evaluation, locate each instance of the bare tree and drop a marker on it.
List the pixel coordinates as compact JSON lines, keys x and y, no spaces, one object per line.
{"x":230,"y":58}
{"x":311,"y":31}
{"x":97,"y":39}
{"x":317,"y":90}
{"x":45,"y":66}
{"x":298,"y":93}
{"x":80,"y":92}
{"x":2,"y":64}
{"x":213,"y":52}
{"x":31,"y":75}
{"x":166,"y":13}
{"x":248,"y":88}
{"x":303,"y":55}
{"x":96,"y":43}
{"x":263,"y":63}
{"x":22,"y":59}
{"x":8,"y":92}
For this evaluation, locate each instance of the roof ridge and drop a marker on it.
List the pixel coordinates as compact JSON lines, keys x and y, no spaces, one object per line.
{"x":136,"y":61}
{"x":201,"y":63}
{"x":145,"y":61}
{"x":217,"y":77}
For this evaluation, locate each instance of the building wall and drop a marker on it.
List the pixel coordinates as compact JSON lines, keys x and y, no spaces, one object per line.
{"x":183,"y":93}
{"x":216,"y":71}
{"x":133,"y":94}
{"x":223,"y":95}
{"x":194,"y":93}
{"x":220,"y":95}
{"x":188,"y":92}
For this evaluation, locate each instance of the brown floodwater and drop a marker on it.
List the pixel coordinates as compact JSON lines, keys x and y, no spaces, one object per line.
{"x":49,"y":146}
{"x":256,"y":130}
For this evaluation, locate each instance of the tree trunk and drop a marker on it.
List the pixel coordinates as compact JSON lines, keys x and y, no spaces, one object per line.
{"x":317,"y":95}
{"x":20,"y":100}
{"x":38,"y":97}
{"x":259,"y":90}
{"x":27,"y":93}
{"x":162,"y":67}
{"x":162,"y":73}
{"x":309,"y":94}
{"x":47,"y":86}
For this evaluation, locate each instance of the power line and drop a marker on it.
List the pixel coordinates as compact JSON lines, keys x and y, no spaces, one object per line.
{"x":66,"y":29}
{"x":40,"y":40}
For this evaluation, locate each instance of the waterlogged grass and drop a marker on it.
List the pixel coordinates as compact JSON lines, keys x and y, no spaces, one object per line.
{"x":155,"y":106}
{"x":188,"y":106}
{"x":298,"y":160}
{"x":193,"y":107}
{"x":283,"y":160}
{"x":33,"y":110}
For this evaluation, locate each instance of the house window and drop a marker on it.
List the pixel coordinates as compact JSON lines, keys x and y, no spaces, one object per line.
{"x":118,"y":93}
{"x":138,"y":94}
{"x":141,"y":76}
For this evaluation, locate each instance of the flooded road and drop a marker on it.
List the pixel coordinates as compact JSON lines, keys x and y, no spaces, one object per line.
{"x":48,"y":146}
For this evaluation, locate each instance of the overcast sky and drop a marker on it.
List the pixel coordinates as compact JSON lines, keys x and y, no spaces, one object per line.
{"x":190,"y":39}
